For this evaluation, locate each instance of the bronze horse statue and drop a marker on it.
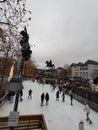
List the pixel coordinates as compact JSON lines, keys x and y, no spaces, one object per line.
{"x":49,"y":64}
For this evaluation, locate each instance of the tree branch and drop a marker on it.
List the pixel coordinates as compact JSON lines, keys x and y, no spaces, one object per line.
{"x":4,"y":23}
{"x":1,"y":1}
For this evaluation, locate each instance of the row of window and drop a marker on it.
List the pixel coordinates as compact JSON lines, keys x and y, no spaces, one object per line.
{"x":84,"y":72}
{"x":84,"y":68}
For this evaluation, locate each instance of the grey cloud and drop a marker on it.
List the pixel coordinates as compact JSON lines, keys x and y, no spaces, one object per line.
{"x":65,"y":31}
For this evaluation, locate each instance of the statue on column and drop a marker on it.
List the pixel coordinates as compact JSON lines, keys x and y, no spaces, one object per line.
{"x":50,"y":65}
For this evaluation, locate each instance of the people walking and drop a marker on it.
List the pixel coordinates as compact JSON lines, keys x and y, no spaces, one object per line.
{"x":42,"y":98}
{"x":30,"y":94}
{"x":47,"y":98}
{"x":71,"y":96}
{"x":21,"y":95}
{"x":60,"y":88}
{"x":57,"y":95}
{"x":87,"y":110}
{"x":54,"y":86}
{"x":63,"y":96}
{"x":11,"y":96}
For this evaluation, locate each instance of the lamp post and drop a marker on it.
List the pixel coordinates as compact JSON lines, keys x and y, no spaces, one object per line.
{"x":15,"y":83}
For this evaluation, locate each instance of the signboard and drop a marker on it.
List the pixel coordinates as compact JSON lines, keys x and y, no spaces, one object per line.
{"x":13,"y":118}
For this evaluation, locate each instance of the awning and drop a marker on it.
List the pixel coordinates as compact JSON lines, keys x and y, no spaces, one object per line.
{"x":15,"y":84}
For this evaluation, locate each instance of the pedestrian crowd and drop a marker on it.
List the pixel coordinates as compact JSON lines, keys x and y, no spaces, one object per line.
{"x":44,"y":97}
{"x":62,"y":89}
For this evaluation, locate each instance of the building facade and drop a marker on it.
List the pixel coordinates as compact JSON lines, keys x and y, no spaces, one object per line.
{"x":87,"y":70}
{"x":75,"y":70}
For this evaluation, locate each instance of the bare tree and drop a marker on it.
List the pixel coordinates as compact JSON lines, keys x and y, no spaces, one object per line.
{"x":13,"y":17}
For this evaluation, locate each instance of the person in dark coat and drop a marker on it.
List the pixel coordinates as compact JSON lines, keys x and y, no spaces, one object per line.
{"x":57,"y":95}
{"x":42,"y":98}
{"x":47,"y":98}
{"x":21,"y":95}
{"x":63,"y":96}
{"x":30,"y":94}
{"x":71,"y":96}
{"x":60,"y":88}
{"x":11,"y":96}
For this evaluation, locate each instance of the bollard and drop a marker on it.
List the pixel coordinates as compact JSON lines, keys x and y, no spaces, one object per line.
{"x":81,"y":125}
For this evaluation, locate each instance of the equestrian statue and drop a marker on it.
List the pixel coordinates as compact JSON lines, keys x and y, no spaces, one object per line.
{"x":50,"y":65}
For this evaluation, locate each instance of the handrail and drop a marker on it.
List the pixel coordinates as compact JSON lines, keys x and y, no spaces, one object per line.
{"x":3,"y":98}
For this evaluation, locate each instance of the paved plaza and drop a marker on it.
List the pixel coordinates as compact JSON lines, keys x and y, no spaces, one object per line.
{"x":58,"y":115}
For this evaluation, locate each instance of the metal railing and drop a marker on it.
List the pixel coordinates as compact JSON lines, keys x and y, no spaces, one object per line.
{"x":3,"y":99}
{"x":83,"y":100}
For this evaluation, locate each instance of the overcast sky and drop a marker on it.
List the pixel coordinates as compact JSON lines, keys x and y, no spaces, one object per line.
{"x":65,"y":31}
